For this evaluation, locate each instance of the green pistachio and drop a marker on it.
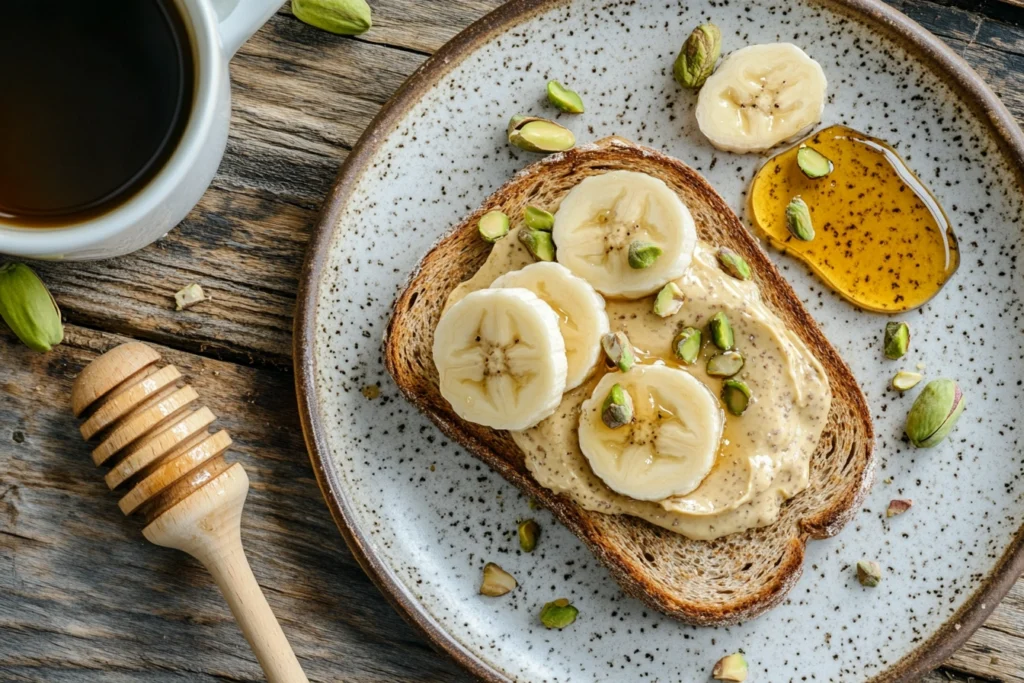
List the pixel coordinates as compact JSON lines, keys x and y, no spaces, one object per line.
{"x":686,"y":345}
{"x":698,"y":56}
{"x":558,"y":614}
{"x":564,"y":99}
{"x":529,"y":531}
{"x":496,"y":581}
{"x":28,"y":308}
{"x":538,"y":243}
{"x":934,"y":413}
{"x":733,"y":263}
{"x":897,"y":340}
{"x":798,"y":219}
{"x":618,"y":349}
{"x":617,"y":409}
{"x":539,"y":219}
{"x":813,"y":163}
{"x":735,"y":395}
{"x":493,"y":226}
{"x":905,"y":380}
{"x":721,"y":331}
{"x":731,"y":668}
{"x":869,"y":573}
{"x":669,"y":300}
{"x":725,"y":364}
{"x":345,"y":17}
{"x":643,"y":254}
{"x":535,"y":134}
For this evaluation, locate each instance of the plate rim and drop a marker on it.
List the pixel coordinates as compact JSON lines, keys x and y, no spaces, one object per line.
{"x":928,"y":655}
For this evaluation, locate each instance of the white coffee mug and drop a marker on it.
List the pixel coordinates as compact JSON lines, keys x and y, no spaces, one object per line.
{"x":217,"y":29}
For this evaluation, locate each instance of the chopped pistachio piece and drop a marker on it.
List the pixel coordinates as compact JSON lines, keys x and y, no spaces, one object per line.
{"x":669,"y":300}
{"x":686,"y":345}
{"x":730,"y":668}
{"x":897,"y":506}
{"x":733,"y":263}
{"x":618,"y":349}
{"x":28,"y":308}
{"x":735,"y":395}
{"x":721,"y":331}
{"x":558,"y":614}
{"x":538,"y":243}
{"x":539,"y":219}
{"x":869,"y":573}
{"x":798,"y":219}
{"x":935,"y":412}
{"x":725,"y":364}
{"x":534,"y":134}
{"x":496,"y":581}
{"x":643,"y":254}
{"x":813,"y":163}
{"x":189,"y":296}
{"x":905,"y":380}
{"x":564,"y":99}
{"x":617,"y":409}
{"x":493,"y":226}
{"x":698,"y":56}
{"x":529,"y":532}
{"x":897,"y":340}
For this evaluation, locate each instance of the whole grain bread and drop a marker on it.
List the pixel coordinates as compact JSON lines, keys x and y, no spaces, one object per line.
{"x":701,"y":582}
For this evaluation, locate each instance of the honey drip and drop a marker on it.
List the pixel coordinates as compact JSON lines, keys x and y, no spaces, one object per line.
{"x":882,"y":241}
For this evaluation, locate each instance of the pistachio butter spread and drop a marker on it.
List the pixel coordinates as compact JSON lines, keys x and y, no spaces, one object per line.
{"x":764,"y":455}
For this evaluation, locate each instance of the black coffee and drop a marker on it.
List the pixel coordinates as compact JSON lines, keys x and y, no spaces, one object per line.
{"x":94,"y":97}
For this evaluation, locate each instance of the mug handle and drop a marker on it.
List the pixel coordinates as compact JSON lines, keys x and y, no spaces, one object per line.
{"x":244,"y":20}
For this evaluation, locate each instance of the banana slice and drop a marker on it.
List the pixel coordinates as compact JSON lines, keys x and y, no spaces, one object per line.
{"x":672,"y":442}
{"x":759,"y":96}
{"x":604,"y":215}
{"x":581,"y":316}
{"x":501,"y":358}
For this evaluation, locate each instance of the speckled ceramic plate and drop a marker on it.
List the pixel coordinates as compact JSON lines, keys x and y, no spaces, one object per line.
{"x":423,"y":516}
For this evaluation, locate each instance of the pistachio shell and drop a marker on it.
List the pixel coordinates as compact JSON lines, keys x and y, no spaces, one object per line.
{"x":496,"y":581}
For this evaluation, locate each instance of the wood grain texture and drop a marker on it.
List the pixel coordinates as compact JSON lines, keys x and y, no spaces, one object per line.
{"x":83,"y":597}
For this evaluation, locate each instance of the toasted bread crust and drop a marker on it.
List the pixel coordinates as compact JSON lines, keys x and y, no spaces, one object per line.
{"x":701,"y":582}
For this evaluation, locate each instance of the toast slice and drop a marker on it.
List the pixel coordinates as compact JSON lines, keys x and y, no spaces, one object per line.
{"x":701,"y":582}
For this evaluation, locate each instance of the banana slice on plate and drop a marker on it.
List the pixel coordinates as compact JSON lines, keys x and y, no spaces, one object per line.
{"x":581,"y":316}
{"x":759,"y":96}
{"x":500,"y":358}
{"x":626,"y":233}
{"x":671,"y":443}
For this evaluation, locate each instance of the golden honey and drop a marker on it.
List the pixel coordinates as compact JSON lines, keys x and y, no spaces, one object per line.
{"x":881,"y":239}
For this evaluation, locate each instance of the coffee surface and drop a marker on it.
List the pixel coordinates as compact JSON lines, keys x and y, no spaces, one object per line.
{"x":95,"y":97}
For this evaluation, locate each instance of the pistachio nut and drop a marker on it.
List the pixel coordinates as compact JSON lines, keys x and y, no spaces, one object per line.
{"x":539,"y":219}
{"x":496,"y":581}
{"x":643,"y":254}
{"x":813,"y":163}
{"x":698,"y":56}
{"x":564,"y":99}
{"x":538,"y":243}
{"x":529,"y":532}
{"x":730,"y":668}
{"x":897,"y":506}
{"x":617,"y":409}
{"x":188,"y":296}
{"x":535,"y":134}
{"x":618,"y":349}
{"x":735,"y":396}
{"x":725,"y":364}
{"x":493,"y":226}
{"x":869,"y":573}
{"x":558,"y":614}
{"x":733,"y":263}
{"x":904,"y":380}
{"x":669,"y":300}
{"x":721,"y":331}
{"x":344,"y":17}
{"x":28,"y":308}
{"x":897,"y":340}
{"x":934,"y":413}
{"x":798,"y":219}
{"x":686,"y":345}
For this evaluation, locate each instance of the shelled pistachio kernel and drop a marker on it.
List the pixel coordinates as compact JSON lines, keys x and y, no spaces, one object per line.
{"x":189,"y":296}
{"x":904,"y":380}
{"x":733,"y":263}
{"x":869,"y":573}
{"x":735,"y":396}
{"x":725,"y":364}
{"x":896,"y":340}
{"x":669,"y":300}
{"x":798,"y":219}
{"x":934,"y":413}
{"x":492,"y":226}
{"x":538,"y":243}
{"x":721,"y":331}
{"x":686,"y":345}
{"x":28,"y":308}
{"x":529,"y":532}
{"x":538,"y":218}
{"x":564,"y":99}
{"x":813,"y":163}
{"x":534,"y":134}
{"x":496,"y":581}
{"x":643,"y":254}
{"x":731,"y":668}
{"x":617,"y":409}
{"x":618,"y":349}
{"x":558,"y":614}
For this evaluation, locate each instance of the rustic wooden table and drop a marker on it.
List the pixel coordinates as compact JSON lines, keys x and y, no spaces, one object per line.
{"x":82,"y":596}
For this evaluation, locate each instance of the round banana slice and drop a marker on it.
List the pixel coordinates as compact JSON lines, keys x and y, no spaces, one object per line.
{"x":581,"y":316}
{"x":759,"y":96}
{"x":500,"y":358}
{"x":605,"y":215}
{"x":672,"y":442}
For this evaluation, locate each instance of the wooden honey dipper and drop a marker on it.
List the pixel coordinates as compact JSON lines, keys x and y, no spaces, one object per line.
{"x":175,"y":475}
